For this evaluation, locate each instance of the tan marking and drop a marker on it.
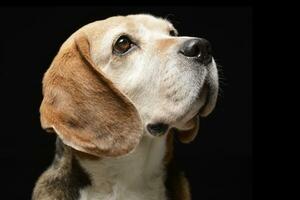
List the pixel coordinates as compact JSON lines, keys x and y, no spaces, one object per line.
{"x":88,"y":105}
{"x":183,"y":191}
{"x":165,"y":44}
{"x":169,"y":148}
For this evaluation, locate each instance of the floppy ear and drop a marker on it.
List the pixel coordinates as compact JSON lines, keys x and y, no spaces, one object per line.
{"x":84,"y":108}
{"x":186,"y":136}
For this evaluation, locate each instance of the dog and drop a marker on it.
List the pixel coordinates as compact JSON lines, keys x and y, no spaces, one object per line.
{"x":116,"y":94}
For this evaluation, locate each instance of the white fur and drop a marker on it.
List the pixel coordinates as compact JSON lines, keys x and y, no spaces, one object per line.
{"x":136,"y":176}
{"x":151,"y":77}
{"x":164,"y":87}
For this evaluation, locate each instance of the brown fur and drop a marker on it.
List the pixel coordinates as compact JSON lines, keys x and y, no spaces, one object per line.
{"x":84,"y":108}
{"x":182,"y":191}
{"x":180,"y":187}
{"x":169,"y":148}
{"x":164,"y":44}
{"x":91,"y":115}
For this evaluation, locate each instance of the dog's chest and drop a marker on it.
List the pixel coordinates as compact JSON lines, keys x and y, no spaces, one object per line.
{"x":124,"y":193}
{"x":137,"y":176}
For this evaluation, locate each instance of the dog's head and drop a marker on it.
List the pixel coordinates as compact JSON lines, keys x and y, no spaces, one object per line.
{"x":117,"y":79}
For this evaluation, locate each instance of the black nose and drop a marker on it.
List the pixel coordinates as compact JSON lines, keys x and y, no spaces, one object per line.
{"x":198,"y":48}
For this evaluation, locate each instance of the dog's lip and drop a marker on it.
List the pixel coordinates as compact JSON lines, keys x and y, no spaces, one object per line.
{"x":204,"y":91}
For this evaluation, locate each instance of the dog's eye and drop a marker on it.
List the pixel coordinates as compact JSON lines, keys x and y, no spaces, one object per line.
{"x":172,"y":33}
{"x":122,"y":45}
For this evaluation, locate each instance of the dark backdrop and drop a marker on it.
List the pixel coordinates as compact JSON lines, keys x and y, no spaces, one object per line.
{"x":218,"y":163}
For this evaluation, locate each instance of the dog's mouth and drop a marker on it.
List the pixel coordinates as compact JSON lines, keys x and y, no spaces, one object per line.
{"x":201,"y":106}
{"x":157,"y":129}
{"x":161,"y":128}
{"x":210,"y":90}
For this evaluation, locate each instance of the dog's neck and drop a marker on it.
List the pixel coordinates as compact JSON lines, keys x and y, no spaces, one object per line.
{"x":142,"y":169}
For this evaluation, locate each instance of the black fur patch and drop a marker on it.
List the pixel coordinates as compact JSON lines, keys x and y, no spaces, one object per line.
{"x":64,"y":179}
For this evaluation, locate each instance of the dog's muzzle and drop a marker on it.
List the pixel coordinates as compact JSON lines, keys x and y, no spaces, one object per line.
{"x":200,"y":51}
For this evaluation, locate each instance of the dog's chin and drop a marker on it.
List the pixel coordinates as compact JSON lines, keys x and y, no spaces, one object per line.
{"x":183,"y":120}
{"x":195,"y":109}
{"x":185,"y":123}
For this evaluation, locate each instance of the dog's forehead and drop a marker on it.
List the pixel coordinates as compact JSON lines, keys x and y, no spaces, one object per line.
{"x":130,"y":23}
{"x":139,"y":23}
{"x":150,"y":22}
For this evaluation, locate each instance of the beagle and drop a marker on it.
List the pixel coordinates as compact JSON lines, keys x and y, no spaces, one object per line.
{"x":116,"y":94}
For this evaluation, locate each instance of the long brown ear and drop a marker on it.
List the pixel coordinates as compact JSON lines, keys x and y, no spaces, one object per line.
{"x":84,"y":108}
{"x":186,"y":136}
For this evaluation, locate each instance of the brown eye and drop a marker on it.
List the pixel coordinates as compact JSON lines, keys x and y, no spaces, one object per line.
{"x":122,"y":45}
{"x":172,"y":33}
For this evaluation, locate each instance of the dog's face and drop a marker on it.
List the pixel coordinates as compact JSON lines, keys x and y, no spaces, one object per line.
{"x":169,"y":79}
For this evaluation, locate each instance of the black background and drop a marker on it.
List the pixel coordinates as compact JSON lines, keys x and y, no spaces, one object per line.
{"x":218,"y":163}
